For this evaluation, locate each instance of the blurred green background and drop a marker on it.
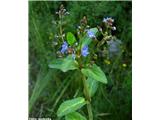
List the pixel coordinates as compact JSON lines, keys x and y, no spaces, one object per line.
{"x":48,"y":88}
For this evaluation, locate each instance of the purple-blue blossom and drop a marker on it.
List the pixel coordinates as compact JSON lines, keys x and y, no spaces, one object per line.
{"x":91,"y":34}
{"x":64,"y":47}
{"x":84,"y":51}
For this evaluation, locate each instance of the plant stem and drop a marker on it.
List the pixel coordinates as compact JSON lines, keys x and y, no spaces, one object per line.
{"x":86,"y":93}
{"x":89,"y":108}
{"x":60,"y":28}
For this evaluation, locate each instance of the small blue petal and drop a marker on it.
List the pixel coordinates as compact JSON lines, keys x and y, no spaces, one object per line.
{"x":90,"y":34}
{"x":84,"y":51}
{"x":64,"y":47}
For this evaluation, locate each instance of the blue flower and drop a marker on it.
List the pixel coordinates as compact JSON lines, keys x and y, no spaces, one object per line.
{"x":91,"y":34}
{"x":64,"y":47}
{"x":84,"y":51}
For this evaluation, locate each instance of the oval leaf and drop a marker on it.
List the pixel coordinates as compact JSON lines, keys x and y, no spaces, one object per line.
{"x":74,"y":116}
{"x":95,"y":73}
{"x":64,"y":64}
{"x":92,"y":86}
{"x":70,"y":106}
{"x":71,"y":38}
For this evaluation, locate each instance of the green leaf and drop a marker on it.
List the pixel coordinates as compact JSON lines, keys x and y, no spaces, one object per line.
{"x":42,"y":80}
{"x":64,"y":64}
{"x":95,"y":73}
{"x":74,"y":116}
{"x":71,"y":38}
{"x":92,"y":86}
{"x":70,"y":106}
{"x":87,"y":40}
{"x":94,"y":30}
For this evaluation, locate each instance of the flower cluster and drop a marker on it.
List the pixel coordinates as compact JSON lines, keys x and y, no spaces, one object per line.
{"x":84,"y":51}
{"x":62,"y":11}
{"x":91,"y":34}
{"x":83,"y":26}
{"x":65,"y":49}
{"x":59,"y":37}
{"x":79,"y":47}
{"x":109,"y":21}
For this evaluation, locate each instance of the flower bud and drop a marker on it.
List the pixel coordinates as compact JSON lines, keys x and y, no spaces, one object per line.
{"x":57,"y":12}
{"x":67,"y":13}
{"x":114,"y":28}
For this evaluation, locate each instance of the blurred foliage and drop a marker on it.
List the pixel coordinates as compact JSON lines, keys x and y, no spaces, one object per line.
{"x":48,"y":87}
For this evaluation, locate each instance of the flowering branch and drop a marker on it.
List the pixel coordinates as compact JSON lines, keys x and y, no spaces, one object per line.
{"x":81,"y":53}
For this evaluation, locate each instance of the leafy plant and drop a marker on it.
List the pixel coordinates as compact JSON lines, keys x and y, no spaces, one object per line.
{"x":111,"y":101}
{"x":80,"y":53}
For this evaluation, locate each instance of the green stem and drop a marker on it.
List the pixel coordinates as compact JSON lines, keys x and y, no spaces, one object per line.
{"x":89,"y":108}
{"x":86,"y":93}
{"x":61,"y":31}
